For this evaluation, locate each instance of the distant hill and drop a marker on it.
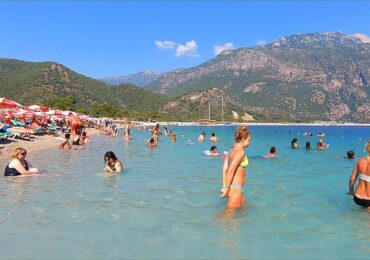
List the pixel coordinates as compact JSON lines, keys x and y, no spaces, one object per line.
{"x":139,"y":79}
{"x":40,"y":82}
{"x":306,"y":77}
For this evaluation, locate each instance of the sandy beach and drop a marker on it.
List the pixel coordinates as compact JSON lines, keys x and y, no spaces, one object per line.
{"x":37,"y":143}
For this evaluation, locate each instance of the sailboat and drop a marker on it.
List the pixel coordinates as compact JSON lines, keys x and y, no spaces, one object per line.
{"x":211,"y":122}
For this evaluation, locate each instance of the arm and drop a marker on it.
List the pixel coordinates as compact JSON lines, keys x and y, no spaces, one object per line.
{"x":20,"y":168}
{"x":224,"y":170}
{"x":107,"y":168}
{"x":118,"y":166}
{"x":352,"y":180}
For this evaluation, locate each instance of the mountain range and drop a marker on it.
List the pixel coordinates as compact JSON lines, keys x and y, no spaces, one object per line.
{"x":140,"y":79}
{"x":304,"y":77}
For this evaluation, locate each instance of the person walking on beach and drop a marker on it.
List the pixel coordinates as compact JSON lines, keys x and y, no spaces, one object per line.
{"x":233,"y":173}
{"x":75,"y":124}
{"x":18,"y":165}
{"x":361,"y":195}
{"x":112,"y":164}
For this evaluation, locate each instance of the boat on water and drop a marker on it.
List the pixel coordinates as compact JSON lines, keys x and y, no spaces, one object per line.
{"x":208,"y":122}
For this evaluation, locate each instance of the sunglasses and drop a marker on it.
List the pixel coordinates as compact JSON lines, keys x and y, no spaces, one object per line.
{"x":23,"y":153}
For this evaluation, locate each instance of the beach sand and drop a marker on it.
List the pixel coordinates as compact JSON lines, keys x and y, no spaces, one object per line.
{"x":36,"y":144}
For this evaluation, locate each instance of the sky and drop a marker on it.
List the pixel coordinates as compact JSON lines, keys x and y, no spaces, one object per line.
{"x":115,"y":38}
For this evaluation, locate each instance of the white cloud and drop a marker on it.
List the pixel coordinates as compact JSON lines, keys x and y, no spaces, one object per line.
{"x":261,"y":43}
{"x":190,"y":49}
{"x":220,"y":48}
{"x":165,"y":45}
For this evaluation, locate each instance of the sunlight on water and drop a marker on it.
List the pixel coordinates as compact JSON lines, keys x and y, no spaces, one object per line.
{"x":165,"y":204}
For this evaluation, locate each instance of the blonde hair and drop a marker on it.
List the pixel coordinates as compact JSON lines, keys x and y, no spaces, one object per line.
{"x":367,"y":147}
{"x":241,"y":133}
{"x":17,"y":151}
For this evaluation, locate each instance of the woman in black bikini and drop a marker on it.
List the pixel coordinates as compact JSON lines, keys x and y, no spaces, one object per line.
{"x":112,"y":164}
{"x":362,"y":171}
{"x":18,"y":165}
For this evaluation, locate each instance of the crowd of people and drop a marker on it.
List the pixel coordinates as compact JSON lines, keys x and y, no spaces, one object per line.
{"x":234,"y":164}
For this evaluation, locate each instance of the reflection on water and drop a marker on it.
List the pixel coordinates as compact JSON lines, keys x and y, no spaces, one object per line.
{"x":166,"y":202}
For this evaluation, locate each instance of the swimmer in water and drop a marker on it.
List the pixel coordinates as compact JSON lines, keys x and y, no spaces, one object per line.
{"x":272,"y":153}
{"x":151,"y":143}
{"x":201,"y":137}
{"x":294,"y":144}
{"x":112,"y":164}
{"x":212,"y":151}
{"x":350,"y":155}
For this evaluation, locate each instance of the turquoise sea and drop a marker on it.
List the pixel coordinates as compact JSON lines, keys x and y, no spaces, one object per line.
{"x":166,"y":205}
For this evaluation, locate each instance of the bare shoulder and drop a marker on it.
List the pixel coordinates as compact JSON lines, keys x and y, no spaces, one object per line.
{"x":362,"y":161}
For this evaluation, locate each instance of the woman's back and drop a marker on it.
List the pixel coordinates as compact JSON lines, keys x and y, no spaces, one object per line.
{"x":363,"y":167}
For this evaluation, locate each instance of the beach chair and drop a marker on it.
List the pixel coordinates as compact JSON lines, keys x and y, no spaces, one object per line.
{"x":17,"y":123}
{"x":5,"y":135}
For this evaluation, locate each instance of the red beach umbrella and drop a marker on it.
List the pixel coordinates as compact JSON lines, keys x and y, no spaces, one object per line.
{"x":4,"y":102}
{"x":37,"y":108}
{"x":24,"y":113}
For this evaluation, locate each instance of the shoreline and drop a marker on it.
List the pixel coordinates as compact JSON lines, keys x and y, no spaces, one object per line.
{"x":39,"y":143}
{"x":179,"y":123}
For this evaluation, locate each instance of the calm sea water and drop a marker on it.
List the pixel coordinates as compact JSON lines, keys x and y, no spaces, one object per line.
{"x":166,"y":202}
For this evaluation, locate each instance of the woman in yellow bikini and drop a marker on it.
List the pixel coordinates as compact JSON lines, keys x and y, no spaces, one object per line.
{"x":234,"y":169}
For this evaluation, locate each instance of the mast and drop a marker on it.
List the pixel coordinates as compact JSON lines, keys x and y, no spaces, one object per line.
{"x":209,"y":111}
{"x":222,"y":108}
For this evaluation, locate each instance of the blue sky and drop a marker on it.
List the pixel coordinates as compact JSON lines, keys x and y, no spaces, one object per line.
{"x":101,"y":39}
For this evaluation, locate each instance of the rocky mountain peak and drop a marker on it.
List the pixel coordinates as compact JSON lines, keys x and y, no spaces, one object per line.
{"x":327,"y":38}
{"x":362,"y":37}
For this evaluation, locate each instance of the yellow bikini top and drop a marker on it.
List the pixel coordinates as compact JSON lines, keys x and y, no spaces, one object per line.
{"x":244,"y":163}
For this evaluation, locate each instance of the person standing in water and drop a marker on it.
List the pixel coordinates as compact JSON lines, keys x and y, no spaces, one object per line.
{"x":234,"y":169}
{"x":213,"y":138}
{"x":361,"y":195}
{"x":201,"y":137}
{"x":294,"y":144}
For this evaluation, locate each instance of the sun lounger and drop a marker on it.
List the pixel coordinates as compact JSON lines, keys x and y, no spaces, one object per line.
{"x":17,"y":123}
{"x":5,"y":135}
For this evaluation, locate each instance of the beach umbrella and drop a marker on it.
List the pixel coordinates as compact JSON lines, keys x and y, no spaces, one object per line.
{"x":4,"y":102}
{"x":24,"y":113}
{"x":54,"y":113}
{"x":37,"y":108}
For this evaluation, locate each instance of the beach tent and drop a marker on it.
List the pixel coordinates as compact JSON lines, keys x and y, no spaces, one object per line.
{"x":4,"y":102}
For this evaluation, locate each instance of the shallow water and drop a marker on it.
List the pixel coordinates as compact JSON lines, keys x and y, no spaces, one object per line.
{"x":166,"y":202}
